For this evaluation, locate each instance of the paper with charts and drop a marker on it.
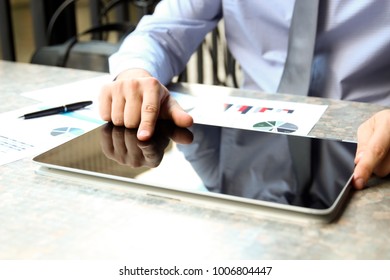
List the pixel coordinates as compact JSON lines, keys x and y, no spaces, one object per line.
{"x":254,"y":114}
{"x":20,"y":138}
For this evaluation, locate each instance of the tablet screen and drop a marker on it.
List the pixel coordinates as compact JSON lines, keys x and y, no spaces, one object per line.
{"x":253,"y":166}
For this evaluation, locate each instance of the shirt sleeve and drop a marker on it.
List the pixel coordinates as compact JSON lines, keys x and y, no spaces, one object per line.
{"x":163,"y":42}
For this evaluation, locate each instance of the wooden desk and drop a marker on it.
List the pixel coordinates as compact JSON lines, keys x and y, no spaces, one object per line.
{"x":66,"y":218}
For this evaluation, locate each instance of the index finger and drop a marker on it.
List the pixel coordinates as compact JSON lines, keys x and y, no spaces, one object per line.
{"x":150,"y":109}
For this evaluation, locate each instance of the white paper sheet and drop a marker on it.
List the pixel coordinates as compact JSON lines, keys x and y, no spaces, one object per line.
{"x":254,"y":114}
{"x":88,"y":89}
{"x":20,"y":138}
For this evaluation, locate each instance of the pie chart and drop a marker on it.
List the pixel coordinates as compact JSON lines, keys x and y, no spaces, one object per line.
{"x":67,"y":131}
{"x":276,"y":126}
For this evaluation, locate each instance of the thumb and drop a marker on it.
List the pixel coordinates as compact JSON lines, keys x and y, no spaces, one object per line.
{"x":373,"y":149}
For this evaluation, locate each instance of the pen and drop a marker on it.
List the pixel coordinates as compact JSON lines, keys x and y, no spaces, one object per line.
{"x":57,"y":110}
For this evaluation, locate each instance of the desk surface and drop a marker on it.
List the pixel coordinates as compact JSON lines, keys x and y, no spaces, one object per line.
{"x":45,"y":217}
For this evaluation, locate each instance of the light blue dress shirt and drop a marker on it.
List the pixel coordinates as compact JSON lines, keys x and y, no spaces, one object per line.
{"x":352,"y":53}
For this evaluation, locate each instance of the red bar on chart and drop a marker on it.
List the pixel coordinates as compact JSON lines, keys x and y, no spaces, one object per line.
{"x":288,"y":111}
{"x":227,"y":106}
{"x":265,"y":109}
{"x":244,"y":109}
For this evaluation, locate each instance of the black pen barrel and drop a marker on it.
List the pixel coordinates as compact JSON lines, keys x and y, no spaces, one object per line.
{"x":43,"y":113}
{"x":58,"y":110}
{"x":76,"y":106}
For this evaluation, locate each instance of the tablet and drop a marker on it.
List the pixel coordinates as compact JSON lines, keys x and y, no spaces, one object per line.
{"x":256,"y":170}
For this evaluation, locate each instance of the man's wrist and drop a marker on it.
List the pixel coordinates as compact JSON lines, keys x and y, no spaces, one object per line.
{"x":133,"y":73}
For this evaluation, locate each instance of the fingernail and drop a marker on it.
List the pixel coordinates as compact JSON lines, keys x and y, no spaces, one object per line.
{"x":143,"y":133}
{"x":359,"y":183}
{"x":359,"y":156}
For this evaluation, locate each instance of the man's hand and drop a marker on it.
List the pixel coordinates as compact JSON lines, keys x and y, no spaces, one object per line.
{"x":135,"y":99}
{"x":373,"y":152}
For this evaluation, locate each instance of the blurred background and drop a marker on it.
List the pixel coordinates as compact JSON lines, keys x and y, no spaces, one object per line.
{"x":38,"y":31}
{"x":23,"y":27}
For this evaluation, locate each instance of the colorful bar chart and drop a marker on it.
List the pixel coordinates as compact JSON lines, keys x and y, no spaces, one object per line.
{"x":244,"y":109}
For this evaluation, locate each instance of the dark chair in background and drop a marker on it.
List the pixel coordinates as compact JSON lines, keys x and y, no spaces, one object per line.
{"x":6,"y":32}
{"x":89,"y":49}
{"x":111,"y":21}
